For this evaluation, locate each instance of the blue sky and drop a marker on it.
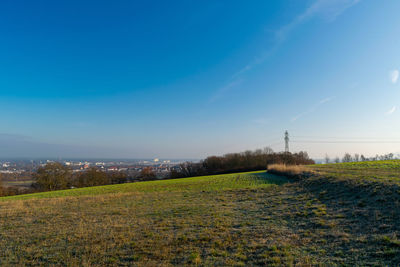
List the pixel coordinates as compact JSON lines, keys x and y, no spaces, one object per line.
{"x":188,"y":79}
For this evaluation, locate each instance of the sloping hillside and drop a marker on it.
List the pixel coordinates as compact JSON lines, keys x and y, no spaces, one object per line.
{"x":236,"y":219}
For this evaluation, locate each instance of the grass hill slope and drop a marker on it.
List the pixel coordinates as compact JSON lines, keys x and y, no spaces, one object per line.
{"x":333,"y":218}
{"x":181,"y":221}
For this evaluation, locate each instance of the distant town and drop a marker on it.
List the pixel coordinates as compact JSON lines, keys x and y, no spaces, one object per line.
{"x":161,"y":167}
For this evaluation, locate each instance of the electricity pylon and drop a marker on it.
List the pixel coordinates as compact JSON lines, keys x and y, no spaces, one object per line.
{"x":286,"y":141}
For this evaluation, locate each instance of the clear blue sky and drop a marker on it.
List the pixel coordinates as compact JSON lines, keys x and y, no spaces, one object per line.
{"x":188,"y":79}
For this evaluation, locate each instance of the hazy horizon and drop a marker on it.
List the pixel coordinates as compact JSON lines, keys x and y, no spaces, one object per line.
{"x":192,"y":79}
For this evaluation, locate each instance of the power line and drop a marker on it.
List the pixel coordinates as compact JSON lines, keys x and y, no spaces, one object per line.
{"x":347,"y":142}
{"x":275,"y":140}
{"x":275,"y":144}
{"x":333,"y":140}
{"x":340,"y":138}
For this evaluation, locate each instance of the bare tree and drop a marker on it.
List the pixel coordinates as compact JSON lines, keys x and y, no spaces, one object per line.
{"x":327,"y":159}
{"x":92,"y":177}
{"x":268,"y":150}
{"x":53,"y":176}
{"x":148,"y":174}
{"x":356,"y":157}
{"x":1,"y":185}
{"x":347,"y":158}
{"x":337,"y":160}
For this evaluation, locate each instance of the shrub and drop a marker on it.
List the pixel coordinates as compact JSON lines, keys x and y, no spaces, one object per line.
{"x":291,"y":171}
{"x":92,"y":177}
{"x":53,"y":176}
{"x":147,"y":174}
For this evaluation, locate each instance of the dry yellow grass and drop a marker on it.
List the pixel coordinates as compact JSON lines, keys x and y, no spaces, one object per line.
{"x":193,"y":221}
{"x":227,"y":220}
{"x":288,"y":170}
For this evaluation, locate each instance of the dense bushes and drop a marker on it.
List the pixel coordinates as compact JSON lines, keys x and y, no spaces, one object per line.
{"x":147,"y":174}
{"x":236,"y":162}
{"x":55,"y":176}
{"x":12,"y":190}
{"x":253,"y":160}
{"x":91,"y":177}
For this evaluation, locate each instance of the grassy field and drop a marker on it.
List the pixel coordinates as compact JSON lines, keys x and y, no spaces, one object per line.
{"x":20,"y":181}
{"x":387,"y":171}
{"x":241,"y":219}
{"x":204,"y":183}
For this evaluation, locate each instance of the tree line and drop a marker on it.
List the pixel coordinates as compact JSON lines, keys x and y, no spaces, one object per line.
{"x":358,"y":158}
{"x":239,"y":162}
{"x":55,"y":176}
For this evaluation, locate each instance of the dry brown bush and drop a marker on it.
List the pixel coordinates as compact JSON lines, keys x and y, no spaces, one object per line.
{"x":292,"y":171}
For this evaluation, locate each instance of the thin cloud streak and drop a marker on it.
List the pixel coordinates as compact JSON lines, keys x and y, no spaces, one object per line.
{"x":326,"y":9}
{"x":391,"y":111}
{"x":325,"y":100}
{"x":394,"y":76}
{"x":223,"y":90}
{"x":312,"y":109}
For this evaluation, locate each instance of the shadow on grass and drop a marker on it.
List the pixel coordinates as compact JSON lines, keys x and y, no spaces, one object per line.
{"x":346,"y":221}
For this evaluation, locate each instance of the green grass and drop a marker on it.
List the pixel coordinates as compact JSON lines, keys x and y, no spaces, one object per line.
{"x":379,"y":171}
{"x":384,"y":165}
{"x":338,"y":218}
{"x":203,"y":183}
{"x":187,"y":221}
